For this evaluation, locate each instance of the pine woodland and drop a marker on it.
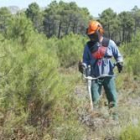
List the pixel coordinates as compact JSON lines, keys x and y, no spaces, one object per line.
{"x":42,"y":93}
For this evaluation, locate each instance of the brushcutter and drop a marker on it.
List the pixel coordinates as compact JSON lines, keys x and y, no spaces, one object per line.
{"x":89,"y":78}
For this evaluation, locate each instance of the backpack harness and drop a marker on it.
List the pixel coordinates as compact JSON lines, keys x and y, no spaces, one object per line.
{"x":98,"y":50}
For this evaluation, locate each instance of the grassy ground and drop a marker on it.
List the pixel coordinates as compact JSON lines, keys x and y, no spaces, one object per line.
{"x":97,"y":123}
{"x":71,"y":118}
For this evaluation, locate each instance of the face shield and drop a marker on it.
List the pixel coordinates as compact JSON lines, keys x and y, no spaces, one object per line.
{"x":94,"y":37}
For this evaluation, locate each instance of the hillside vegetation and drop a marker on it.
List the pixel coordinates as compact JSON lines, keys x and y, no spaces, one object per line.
{"x":42,"y":94}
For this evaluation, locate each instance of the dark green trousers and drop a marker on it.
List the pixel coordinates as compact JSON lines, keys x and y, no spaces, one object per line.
{"x":110,"y":90}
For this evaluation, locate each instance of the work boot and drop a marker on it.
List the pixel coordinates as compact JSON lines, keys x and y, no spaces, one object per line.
{"x":113,"y":111}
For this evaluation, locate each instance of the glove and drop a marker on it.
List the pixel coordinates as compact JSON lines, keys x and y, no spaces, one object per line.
{"x":81,"y":67}
{"x":119,"y":66}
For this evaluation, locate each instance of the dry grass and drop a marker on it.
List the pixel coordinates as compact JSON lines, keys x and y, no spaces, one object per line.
{"x":97,"y":123}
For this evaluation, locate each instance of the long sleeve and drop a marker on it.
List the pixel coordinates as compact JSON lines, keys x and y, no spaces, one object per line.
{"x":86,"y":56}
{"x":116,"y":53}
{"x":104,"y":66}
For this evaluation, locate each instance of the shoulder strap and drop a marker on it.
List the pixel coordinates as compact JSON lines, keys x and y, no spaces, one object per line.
{"x":90,"y":45}
{"x":105,"y":42}
{"x":98,"y":52}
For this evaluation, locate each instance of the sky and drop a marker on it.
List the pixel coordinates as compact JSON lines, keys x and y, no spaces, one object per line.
{"x":95,"y":7}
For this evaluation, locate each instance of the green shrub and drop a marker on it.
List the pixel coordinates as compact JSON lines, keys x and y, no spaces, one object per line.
{"x":20,"y":28}
{"x":132,"y":55}
{"x":36,"y":94}
{"x":30,"y":83}
{"x":70,"y":49}
{"x":131,"y":132}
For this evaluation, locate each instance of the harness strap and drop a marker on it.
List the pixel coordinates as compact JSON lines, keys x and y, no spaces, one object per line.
{"x":98,"y":50}
{"x":105,"y":42}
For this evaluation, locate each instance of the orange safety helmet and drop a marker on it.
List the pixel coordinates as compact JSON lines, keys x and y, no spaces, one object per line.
{"x":93,"y":27}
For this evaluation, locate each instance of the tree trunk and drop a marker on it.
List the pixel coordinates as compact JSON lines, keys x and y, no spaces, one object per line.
{"x":59,"y":29}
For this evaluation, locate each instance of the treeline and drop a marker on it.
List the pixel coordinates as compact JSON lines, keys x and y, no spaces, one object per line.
{"x":60,"y":18}
{"x":123,"y":26}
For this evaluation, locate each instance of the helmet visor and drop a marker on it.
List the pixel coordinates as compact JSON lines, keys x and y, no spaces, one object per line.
{"x":94,"y":37}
